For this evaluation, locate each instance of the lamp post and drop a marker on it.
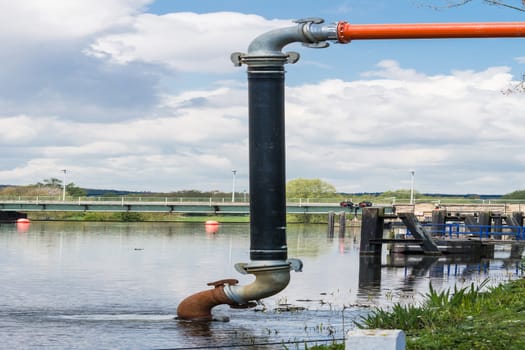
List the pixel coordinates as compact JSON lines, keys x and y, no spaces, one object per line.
{"x":233,"y":185}
{"x":412,"y":172}
{"x":64,"y":185}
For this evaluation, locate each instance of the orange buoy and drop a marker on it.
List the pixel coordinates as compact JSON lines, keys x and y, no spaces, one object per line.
{"x":22,"y":225}
{"x":211,"y":226}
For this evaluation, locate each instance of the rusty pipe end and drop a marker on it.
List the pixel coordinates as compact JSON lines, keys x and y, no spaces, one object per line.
{"x":197,"y":307}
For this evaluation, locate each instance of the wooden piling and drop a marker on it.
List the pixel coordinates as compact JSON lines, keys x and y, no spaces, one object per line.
{"x":372,"y":225}
{"x":485,"y":220}
{"x":331,"y":224}
{"x":438,"y":222}
{"x":369,"y":272}
{"x":471,"y":223}
{"x":516,"y":251}
{"x":342,"y":224}
{"x":498,"y":223}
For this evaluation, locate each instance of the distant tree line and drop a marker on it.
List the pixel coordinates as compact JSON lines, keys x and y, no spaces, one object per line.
{"x":295,"y":189}
{"x":48,"y":187}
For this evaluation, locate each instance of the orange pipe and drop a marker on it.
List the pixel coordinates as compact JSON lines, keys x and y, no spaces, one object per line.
{"x":347,"y":32}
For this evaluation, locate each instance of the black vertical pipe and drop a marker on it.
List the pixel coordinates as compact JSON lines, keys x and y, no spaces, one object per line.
{"x":267,"y":163}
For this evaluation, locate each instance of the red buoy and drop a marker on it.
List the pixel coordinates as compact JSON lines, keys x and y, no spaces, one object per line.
{"x":211,"y":226}
{"x":22,"y":225}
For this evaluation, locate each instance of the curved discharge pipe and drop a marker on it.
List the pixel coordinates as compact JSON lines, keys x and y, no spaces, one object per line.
{"x":270,"y":279}
{"x":265,"y":61}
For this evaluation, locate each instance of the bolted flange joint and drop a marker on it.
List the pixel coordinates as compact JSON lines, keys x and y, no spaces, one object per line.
{"x":239,"y":58}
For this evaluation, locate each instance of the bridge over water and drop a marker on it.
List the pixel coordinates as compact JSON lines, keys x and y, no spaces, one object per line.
{"x":156,"y":205}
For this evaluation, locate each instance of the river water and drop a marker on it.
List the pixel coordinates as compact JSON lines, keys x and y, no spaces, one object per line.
{"x":67,"y":285}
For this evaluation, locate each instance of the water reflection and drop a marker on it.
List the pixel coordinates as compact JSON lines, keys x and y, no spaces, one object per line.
{"x":117,"y":285}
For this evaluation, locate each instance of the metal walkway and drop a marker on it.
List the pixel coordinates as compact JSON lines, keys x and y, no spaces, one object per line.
{"x":164,"y":206}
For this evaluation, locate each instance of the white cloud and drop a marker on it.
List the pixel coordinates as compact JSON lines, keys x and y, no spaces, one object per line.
{"x":366,"y":134}
{"x":57,"y":19}
{"x":184,"y":41}
{"x":457,"y":131}
{"x":45,"y":72}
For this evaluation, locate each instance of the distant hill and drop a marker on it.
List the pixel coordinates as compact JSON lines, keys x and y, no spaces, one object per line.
{"x":441,"y":195}
{"x":93,"y":192}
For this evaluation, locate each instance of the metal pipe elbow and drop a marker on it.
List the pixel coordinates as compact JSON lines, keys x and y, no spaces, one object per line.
{"x":269,"y":280}
{"x":309,"y":31}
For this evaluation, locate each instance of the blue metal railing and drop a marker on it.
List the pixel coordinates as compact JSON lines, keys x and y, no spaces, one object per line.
{"x":457,"y":229}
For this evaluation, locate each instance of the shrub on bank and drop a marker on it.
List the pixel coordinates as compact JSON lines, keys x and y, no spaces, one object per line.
{"x":465,"y":318}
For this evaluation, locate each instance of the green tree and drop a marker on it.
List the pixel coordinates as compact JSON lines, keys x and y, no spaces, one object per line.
{"x":51,"y":182}
{"x":75,"y":191}
{"x":398,"y":194}
{"x":309,"y":188}
{"x":514,"y":195}
{"x":131,"y":217}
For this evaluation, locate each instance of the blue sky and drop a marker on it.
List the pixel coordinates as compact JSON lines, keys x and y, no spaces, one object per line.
{"x":141,"y":95}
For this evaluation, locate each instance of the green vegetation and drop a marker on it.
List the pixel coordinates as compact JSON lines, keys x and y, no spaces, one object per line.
{"x":300,"y":189}
{"x":515,"y":195}
{"x":133,"y":217}
{"x":309,"y":188}
{"x":48,"y":187}
{"x":74,"y":191}
{"x":466,"y":318}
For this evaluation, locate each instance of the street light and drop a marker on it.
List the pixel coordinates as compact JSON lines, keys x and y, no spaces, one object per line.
{"x":64,"y":185}
{"x":412,"y":187}
{"x":233,"y":186}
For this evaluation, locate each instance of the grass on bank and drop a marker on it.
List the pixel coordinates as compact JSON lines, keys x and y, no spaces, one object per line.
{"x":162,"y":217}
{"x":464,"y":318}
{"x":134,"y":217}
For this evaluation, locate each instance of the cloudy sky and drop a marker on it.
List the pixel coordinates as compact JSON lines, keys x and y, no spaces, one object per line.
{"x":141,"y":95}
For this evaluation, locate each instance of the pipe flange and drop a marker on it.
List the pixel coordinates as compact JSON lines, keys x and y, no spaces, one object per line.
{"x":315,"y":20}
{"x":253,"y":268}
{"x":220,"y":283}
{"x":313,"y":43}
{"x":278,"y":60}
{"x":262,"y":266}
{"x":318,"y":45}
